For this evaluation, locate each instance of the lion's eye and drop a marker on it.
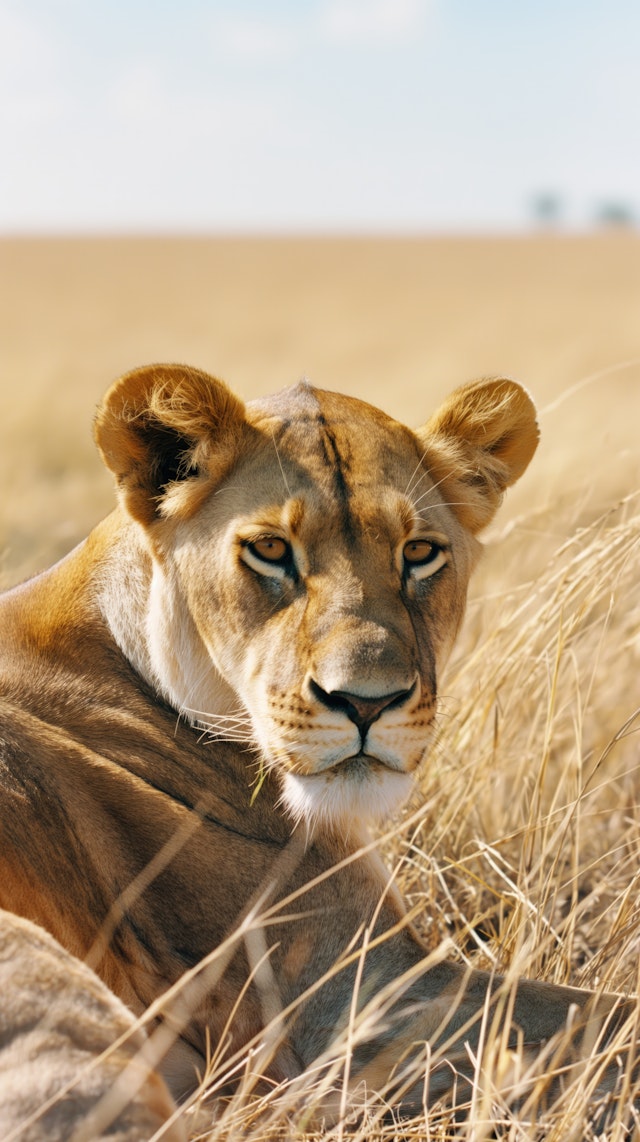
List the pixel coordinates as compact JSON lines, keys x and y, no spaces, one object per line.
{"x":270,"y":555}
{"x":272,"y":549}
{"x":419,"y":551}
{"x":423,"y":557}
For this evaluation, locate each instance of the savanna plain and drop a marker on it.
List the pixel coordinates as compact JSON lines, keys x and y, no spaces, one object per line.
{"x":520,"y":851}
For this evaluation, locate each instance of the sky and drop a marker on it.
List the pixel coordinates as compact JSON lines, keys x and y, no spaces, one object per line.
{"x":316,"y":115}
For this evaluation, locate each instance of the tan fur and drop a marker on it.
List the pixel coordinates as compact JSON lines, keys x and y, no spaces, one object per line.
{"x":139,"y":826}
{"x":66,"y":1044}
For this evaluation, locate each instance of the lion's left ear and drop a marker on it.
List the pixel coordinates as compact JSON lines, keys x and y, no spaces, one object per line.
{"x":479,"y":443}
{"x":165,"y":425}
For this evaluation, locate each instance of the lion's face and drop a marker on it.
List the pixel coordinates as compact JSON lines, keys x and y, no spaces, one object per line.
{"x":321,"y":570}
{"x":327,"y":579}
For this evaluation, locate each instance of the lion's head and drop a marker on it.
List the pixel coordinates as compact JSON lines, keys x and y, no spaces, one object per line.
{"x":305,"y":558}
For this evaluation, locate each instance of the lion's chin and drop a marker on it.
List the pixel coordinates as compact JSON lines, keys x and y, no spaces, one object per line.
{"x":358,"y":791}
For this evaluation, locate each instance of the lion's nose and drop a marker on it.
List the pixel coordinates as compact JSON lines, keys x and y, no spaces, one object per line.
{"x":363,"y":711}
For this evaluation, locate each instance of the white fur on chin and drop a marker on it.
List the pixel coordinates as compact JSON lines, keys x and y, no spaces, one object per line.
{"x":343,"y":798}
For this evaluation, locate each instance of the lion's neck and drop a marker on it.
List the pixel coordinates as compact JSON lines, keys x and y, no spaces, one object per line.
{"x":150,"y":621}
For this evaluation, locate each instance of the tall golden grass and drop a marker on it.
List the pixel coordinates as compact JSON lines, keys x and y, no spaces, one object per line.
{"x":520,"y":850}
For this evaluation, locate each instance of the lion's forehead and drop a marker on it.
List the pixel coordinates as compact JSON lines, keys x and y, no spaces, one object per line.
{"x":333,"y":473}
{"x":337,"y":442}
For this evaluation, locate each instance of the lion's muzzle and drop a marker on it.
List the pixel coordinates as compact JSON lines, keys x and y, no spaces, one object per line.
{"x":362,"y":710}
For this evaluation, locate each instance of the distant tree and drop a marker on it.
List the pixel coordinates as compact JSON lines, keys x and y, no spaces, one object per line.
{"x":546,"y":207}
{"x":618,"y":214}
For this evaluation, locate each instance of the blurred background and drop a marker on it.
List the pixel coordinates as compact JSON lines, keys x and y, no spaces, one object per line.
{"x":318,"y":115}
{"x":390,"y":196}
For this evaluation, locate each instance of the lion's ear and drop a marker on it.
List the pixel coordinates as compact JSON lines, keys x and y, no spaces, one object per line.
{"x":163,"y":424}
{"x":479,"y":443}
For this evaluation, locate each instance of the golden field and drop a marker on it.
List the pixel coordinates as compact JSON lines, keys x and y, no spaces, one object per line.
{"x":522,"y":847}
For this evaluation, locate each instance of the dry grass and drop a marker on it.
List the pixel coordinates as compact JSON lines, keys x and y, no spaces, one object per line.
{"x":521,"y":851}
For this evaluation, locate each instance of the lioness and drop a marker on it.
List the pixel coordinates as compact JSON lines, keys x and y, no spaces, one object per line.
{"x":291,"y":575}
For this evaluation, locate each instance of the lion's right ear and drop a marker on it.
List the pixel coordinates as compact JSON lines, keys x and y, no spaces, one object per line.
{"x":164,"y":424}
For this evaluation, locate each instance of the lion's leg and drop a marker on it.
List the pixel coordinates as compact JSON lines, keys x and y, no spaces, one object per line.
{"x":454,"y":1035}
{"x":451,"y":1018}
{"x":388,"y":1006}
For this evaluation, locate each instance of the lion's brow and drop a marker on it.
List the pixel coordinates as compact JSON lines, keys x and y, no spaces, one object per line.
{"x":339,"y":467}
{"x":321,"y":439}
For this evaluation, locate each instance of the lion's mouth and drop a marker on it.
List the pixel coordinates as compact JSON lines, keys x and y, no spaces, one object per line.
{"x":360,"y":767}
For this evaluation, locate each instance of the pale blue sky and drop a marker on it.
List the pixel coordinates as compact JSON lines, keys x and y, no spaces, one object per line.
{"x":316,"y":114}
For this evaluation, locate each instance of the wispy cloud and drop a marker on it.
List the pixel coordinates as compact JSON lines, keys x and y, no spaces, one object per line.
{"x":144,"y":97}
{"x":31,"y":90}
{"x":257,"y":39}
{"x":253,"y":39}
{"x":137,"y":95}
{"x":363,"y":21}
